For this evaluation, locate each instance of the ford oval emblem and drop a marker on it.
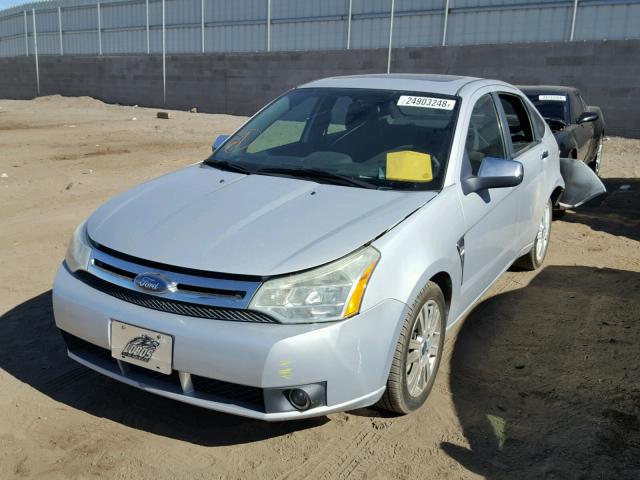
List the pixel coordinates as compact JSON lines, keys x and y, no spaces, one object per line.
{"x":154,"y":282}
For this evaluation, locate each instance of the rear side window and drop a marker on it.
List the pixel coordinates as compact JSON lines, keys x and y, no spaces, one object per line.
{"x":538,"y":122}
{"x":484,"y":137}
{"x":520,"y":128}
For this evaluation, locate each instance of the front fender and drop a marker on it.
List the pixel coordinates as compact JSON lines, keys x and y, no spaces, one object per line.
{"x":422,"y":246}
{"x":419,"y":248}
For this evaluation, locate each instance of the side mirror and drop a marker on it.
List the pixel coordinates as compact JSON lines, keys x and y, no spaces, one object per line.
{"x":494,"y":173}
{"x":588,"y":117}
{"x":220,"y":139}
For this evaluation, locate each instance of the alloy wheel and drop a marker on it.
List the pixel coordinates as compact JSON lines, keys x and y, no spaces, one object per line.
{"x":542,"y":237}
{"x":424,"y":348}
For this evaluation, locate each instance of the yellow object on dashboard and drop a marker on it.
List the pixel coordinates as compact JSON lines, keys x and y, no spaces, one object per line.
{"x":409,"y":166}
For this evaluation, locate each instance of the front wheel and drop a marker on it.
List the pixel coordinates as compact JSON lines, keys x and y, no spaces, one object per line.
{"x":533,"y":260}
{"x":418,"y":353}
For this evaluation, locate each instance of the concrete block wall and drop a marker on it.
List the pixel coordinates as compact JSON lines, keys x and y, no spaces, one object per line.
{"x":607,"y":72}
{"x":17,"y":77}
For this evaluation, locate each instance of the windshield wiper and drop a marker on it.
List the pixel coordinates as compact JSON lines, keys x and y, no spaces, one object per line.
{"x":325,"y":177}
{"x":225,"y":165}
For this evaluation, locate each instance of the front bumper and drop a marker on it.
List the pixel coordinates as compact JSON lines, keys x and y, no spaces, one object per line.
{"x":351,"y":358}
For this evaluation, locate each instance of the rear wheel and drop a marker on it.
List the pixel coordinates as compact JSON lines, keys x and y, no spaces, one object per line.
{"x":418,"y":353}
{"x":533,"y":260}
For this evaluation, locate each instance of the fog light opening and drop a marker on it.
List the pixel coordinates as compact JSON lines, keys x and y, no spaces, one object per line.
{"x":299,"y":399}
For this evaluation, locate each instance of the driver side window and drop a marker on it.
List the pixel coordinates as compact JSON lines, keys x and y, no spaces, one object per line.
{"x":484,"y":137}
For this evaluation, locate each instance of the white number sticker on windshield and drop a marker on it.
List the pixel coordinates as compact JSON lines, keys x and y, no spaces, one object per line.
{"x":426,"y":102}
{"x":552,"y":98}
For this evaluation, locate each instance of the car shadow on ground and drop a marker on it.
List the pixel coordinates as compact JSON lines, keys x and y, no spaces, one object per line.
{"x":617,"y":212}
{"x":546,"y":379}
{"x":32,"y":350}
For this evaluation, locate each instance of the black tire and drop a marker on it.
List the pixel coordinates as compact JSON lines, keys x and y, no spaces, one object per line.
{"x":531,"y":261}
{"x":397,"y":398}
{"x":596,"y":163}
{"x":558,"y":213}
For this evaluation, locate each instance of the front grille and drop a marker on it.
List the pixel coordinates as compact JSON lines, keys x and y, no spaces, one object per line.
{"x":173,"y":268}
{"x":113,"y":269}
{"x":173,"y":306}
{"x":203,"y":387}
{"x":183,"y":287}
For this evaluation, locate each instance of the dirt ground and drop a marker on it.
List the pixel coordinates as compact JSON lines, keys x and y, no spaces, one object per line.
{"x":542,"y":380}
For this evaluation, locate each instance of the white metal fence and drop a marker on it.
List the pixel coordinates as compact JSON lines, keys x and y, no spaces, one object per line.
{"x":120,"y":27}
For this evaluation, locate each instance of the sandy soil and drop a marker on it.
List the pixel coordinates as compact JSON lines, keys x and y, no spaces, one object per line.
{"x":542,"y":381}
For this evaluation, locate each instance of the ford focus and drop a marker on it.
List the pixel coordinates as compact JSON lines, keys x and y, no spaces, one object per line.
{"x":316,"y":260}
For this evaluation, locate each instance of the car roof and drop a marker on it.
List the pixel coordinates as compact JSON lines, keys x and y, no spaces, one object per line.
{"x":432,"y":83}
{"x":546,"y":89}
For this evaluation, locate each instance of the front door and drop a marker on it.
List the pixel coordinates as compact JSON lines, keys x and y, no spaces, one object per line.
{"x":584,"y":131}
{"x":488,"y":245}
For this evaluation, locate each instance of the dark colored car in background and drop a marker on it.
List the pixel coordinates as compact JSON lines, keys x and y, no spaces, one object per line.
{"x":578,"y":127}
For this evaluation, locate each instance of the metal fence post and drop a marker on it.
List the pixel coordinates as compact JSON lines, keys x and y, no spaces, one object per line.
{"x":146,"y":4}
{"x":26,"y":34}
{"x":164,"y":59}
{"x":349,"y":25}
{"x":573,"y":20}
{"x":60,"y":30}
{"x":35,"y":49}
{"x":99,"y":29}
{"x":393,"y":3}
{"x":202,"y":23}
{"x":268,"y":25}
{"x":446,"y":21}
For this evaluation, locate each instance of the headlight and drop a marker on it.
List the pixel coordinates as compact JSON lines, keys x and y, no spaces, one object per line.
{"x":79,"y":251}
{"x":332,"y":292}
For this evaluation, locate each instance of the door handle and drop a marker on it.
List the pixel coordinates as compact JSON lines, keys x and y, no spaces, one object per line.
{"x":545,"y":154}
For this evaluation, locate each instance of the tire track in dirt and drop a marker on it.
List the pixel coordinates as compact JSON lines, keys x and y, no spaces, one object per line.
{"x":354,"y":457}
{"x":345,"y":459}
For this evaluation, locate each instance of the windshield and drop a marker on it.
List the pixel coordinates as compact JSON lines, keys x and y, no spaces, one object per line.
{"x":356,"y":137}
{"x":556,"y":109}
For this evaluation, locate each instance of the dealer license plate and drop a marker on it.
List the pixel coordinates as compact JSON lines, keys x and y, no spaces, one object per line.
{"x":139,"y":346}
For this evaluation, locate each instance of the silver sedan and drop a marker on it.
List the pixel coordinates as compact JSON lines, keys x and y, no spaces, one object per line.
{"x":316,"y":260}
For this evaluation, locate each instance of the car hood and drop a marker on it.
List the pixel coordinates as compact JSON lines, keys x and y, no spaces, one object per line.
{"x":208,"y":219}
